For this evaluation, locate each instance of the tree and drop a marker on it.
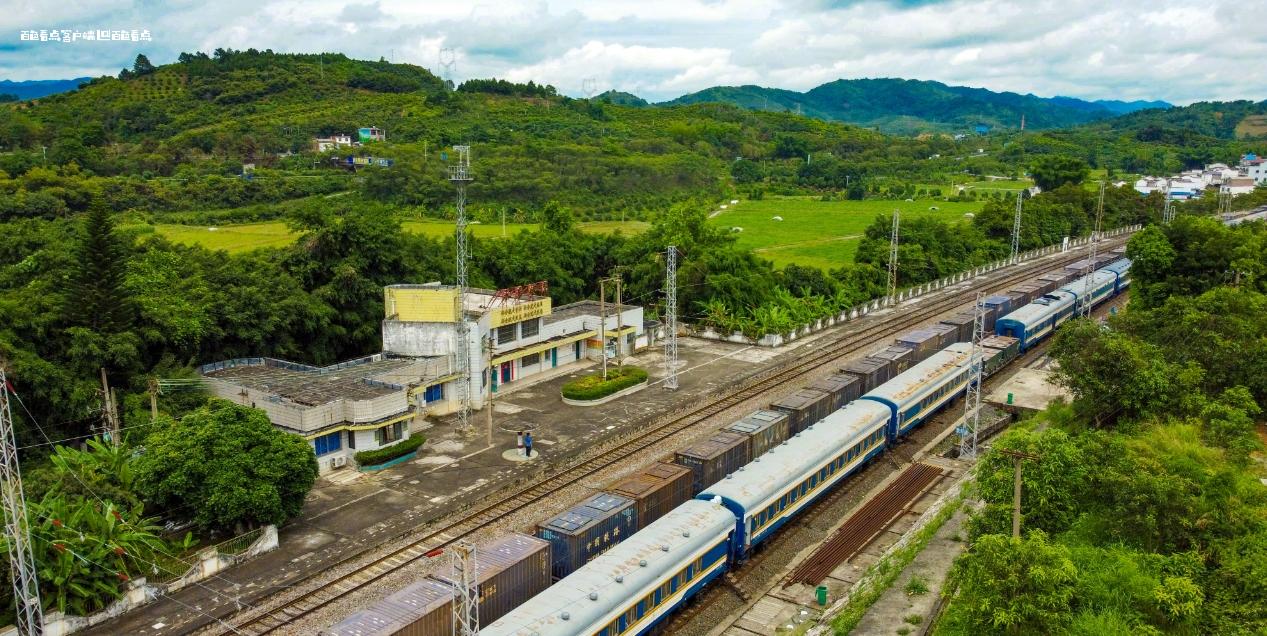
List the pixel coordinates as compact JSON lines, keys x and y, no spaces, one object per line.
{"x":97,"y":298}
{"x":1013,"y":586}
{"x":142,"y":66}
{"x":1229,"y":423}
{"x":228,"y":466}
{"x":1052,"y":171}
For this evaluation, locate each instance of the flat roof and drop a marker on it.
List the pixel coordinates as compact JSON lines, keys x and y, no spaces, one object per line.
{"x":310,"y":386}
{"x":583,"y":308}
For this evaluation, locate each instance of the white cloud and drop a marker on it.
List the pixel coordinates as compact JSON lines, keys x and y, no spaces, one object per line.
{"x":1129,"y":49}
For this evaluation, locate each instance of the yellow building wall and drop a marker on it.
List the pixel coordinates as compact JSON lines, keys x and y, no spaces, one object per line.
{"x":420,"y":305}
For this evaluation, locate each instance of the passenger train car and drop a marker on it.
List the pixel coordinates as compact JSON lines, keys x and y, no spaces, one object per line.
{"x":774,"y":487}
{"x":632,"y":587}
{"x":918,"y":392}
{"x":1037,"y":320}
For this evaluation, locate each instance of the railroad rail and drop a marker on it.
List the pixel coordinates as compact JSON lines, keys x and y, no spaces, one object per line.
{"x":865,"y":523}
{"x":257,"y":623}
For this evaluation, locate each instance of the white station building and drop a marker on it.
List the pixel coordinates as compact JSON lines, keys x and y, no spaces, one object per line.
{"x":513,"y":337}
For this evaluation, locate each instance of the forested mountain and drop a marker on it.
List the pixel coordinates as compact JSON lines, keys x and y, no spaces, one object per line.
{"x":33,"y":89}
{"x":1243,"y":119}
{"x":907,"y":106}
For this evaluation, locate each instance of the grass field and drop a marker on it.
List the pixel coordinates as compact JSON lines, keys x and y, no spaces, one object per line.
{"x":250,"y":236}
{"x":820,"y":233}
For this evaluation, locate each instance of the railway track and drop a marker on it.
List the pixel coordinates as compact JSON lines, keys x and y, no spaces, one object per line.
{"x":257,"y":623}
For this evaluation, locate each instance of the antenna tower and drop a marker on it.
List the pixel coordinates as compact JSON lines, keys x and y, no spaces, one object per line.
{"x":1085,"y":309}
{"x":670,"y":322}
{"x":466,"y":608}
{"x":1016,"y":225}
{"x":26,"y":585}
{"x":1225,"y":201}
{"x":1168,"y":212}
{"x":460,"y":175}
{"x":893,"y":260}
{"x":448,"y":60}
{"x":589,"y":85}
{"x":976,"y":376}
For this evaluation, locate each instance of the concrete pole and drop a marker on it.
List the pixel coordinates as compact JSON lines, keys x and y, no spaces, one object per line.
{"x":620,"y":327}
{"x":602,"y":322}
{"x":1016,"y":497}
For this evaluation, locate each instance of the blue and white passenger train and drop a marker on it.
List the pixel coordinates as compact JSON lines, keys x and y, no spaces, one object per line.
{"x":1034,"y":322}
{"x":633,"y":587}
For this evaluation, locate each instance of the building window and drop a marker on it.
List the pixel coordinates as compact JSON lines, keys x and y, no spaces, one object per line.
{"x":433,"y":393}
{"x":351,"y":439}
{"x":390,"y":433}
{"x":506,"y":333}
{"x":530,"y":328}
{"x":530,"y":359}
{"x":328,"y":443}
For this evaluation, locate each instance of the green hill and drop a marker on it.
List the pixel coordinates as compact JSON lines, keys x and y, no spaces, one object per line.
{"x":913,"y":106}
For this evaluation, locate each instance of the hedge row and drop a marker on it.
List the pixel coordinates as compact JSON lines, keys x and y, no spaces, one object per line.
{"x":593,"y":387}
{"x":388,"y":453}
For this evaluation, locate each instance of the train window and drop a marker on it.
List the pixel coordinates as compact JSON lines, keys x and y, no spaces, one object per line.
{"x":606,"y":631}
{"x":621,"y":624}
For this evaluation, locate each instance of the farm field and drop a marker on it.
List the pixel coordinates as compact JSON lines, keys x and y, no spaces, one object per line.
{"x":250,"y":236}
{"x":820,"y":233}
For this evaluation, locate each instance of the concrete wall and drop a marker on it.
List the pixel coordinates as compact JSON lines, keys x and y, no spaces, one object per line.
{"x":418,"y":338}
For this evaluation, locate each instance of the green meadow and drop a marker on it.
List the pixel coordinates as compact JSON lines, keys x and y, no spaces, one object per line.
{"x":820,"y":233}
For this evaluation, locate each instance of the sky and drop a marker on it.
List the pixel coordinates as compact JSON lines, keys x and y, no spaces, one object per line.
{"x":1179,"y":51}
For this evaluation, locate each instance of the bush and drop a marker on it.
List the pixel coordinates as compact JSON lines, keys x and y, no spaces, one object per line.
{"x":593,"y":387}
{"x":388,"y":453}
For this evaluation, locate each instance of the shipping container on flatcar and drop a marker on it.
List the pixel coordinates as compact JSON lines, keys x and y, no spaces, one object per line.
{"x":1029,"y":291}
{"x":946,"y":335}
{"x":588,"y":530}
{"x":962,"y":322}
{"x":655,"y":491}
{"x":766,"y":428}
{"x":872,"y":372}
{"x":899,"y":358}
{"x":836,"y":387}
{"x":1001,"y":304}
{"x":804,"y":408}
{"x":423,"y":608}
{"x":714,"y":458}
{"x":509,"y":570}
{"x":1000,"y":350}
{"x":1057,"y":279}
{"x":921,"y":342}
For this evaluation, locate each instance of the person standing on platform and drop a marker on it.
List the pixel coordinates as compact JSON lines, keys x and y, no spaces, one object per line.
{"x":528,"y":444}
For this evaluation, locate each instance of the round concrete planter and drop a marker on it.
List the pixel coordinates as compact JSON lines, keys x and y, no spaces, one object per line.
{"x":605,"y":399}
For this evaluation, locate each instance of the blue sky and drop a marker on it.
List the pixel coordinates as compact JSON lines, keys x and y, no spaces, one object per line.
{"x":659,"y":49}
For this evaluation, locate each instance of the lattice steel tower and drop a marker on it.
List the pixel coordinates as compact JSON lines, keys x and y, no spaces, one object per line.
{"x":1168,"y":212}
{"x":670,"y":318}
{"x":466,"y":606}
{"x":1016,"y":227}
{"x":460,"y":175}
{"x":976,"y":375}
{"x":26,"y":586}
{"x":893,"y":259}
{"x":1085,"y":309}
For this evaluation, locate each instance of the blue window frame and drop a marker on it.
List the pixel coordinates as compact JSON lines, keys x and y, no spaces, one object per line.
{"x":328,"y":443}
{"x":433,"y":393}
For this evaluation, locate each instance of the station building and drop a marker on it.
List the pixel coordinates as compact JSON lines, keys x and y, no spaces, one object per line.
{"x":513,"y":336}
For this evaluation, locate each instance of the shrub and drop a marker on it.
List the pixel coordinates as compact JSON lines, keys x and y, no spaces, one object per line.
{"x":914,"y":619}
{"x":388,"y":453}
{"x":593,"y":387}
{"x":917,"y":586}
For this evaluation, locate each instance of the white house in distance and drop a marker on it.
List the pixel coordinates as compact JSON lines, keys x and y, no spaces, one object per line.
{"x":374,"y":401}
{"x":338,"y":140}
{"x":1243,"y":178}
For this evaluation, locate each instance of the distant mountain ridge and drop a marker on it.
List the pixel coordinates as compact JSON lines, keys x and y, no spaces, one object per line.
{"x":913,"y":106}
{"x":34,"y":89}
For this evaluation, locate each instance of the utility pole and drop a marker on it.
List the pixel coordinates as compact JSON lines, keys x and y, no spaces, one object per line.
{"x":602,"y":322}
{"x":893,"y":259}
{"x":976,"y":376}
{"x":460,"y":176}
{"x":1017,"y":458}
{"x":488,"y":349}
{"x":111,"y":415}
{"x":1085,"y":309}
{"x":466,"y":608}
{"x":26,"y":585}
{"x":670,"y":324}
{"x":153,"y":391}
{"x":1016,"y":221}
{"x":1168,"y":210}
{"x":620,"y":326}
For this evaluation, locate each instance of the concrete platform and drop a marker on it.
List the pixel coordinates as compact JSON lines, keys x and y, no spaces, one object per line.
{"x":1032,"y":390}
